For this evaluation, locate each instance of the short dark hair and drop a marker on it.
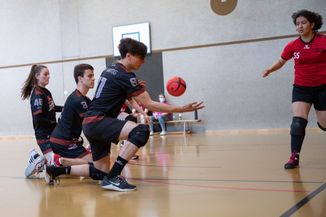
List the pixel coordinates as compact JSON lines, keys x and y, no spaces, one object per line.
{"x":311,"y":16}
{"x":80,"y":70}
{"x":128,"y":45}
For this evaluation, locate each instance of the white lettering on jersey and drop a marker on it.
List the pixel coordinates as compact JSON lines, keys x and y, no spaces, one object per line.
{"x":112,"y":71}
{"x":134,"y":82}
{"x":296,"y":55}
{"x":38,"y":102}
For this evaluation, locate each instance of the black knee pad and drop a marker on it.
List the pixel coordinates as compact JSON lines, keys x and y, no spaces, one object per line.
{"x":139,"y":135}
{"x":94,"y":173}
{"x":131,"y":118}
{"x":321,"y":127}
{"x":298,"y":126}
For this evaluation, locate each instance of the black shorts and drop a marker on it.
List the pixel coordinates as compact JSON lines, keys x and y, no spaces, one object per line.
{"x":70,"y":151}
{"x":45,"y":145}
{"x":311,"y":95}
{"x":101,"y":133}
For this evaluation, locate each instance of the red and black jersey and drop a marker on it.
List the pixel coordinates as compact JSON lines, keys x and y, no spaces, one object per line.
{"x":69,"y":126}
{"x":43,"y":112}
{"x":309,"y":60}
{"x":114,"y":86}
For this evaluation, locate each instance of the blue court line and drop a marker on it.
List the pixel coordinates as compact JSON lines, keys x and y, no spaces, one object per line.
{"x":302,"y":202}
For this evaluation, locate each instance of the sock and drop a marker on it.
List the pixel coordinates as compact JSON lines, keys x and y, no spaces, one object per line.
{"x":62,"y":170}
{"x":49,"y":158}
{"x":118,"y":166}
{"x":296,"y":143}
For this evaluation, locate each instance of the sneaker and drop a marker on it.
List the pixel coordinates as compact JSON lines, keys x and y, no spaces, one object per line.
{"x":293,"y":161}
{"x":163,"y":133}
{"x":117,"y":183}
{"x":35,"y":164}
{"x":50,"y":178}
{"x":151,"y":133}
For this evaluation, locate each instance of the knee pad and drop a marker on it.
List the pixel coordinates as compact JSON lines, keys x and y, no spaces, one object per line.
{"x":94,"y":173}
{"x":298,"y":126}
{"x":139,"y":135}
{"x":131,"y":118}
{"x":321,"y":127}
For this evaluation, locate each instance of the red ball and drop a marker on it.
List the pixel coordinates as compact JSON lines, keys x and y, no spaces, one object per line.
{"x":176,"y":86}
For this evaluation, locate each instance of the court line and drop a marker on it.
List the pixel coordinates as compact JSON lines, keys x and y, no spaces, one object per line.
{"x":166,"y":182}
{"x":302,"y":202}
{"x":230,"y":180}
{"x":225,"y":187}
{"x":190,"y":180}
{"x":191,"y":167}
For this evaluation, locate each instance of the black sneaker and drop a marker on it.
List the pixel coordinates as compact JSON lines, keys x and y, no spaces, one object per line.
{"x":50,"y":178}
{"x":293,"y":161}
{"x":117,"y":183}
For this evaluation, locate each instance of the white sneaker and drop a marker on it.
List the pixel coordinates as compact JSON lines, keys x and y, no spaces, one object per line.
{"x":35,"y":164}
{"x":151,"y":133}
{"x":163,"y":133}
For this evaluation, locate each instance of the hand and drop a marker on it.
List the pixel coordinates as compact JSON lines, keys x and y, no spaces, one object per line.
{"x":192,"y":107}
{"x":266,"y":72}
{"x":147,"y":119}
{"x":142,"y":83}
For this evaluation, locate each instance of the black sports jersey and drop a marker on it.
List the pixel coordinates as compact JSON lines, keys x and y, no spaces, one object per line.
{"x":69,"y":126}
{"x":114,"y":87}
{"x":43,"y":112}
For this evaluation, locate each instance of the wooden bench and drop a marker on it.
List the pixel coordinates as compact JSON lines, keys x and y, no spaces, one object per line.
{"x":186,"y":124}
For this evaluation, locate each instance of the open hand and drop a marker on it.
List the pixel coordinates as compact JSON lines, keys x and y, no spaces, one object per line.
{"x":192,"y":106}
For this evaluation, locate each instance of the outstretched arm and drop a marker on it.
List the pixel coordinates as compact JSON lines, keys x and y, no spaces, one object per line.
{"x":151,"y":105}
{"x":136,"y":106}
{"x":274,"y":67}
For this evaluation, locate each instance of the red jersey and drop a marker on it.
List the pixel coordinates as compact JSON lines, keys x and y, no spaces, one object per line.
{"x":309,"y":60}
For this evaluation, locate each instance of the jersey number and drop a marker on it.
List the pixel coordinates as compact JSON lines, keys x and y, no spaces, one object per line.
{"x":84,"y":105}
{"x":134,"y":82}
{"x":296,"y":55}
{"x":101,"y":84}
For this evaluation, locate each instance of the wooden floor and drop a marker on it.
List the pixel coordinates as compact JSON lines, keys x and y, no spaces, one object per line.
{"x":231,"y":174}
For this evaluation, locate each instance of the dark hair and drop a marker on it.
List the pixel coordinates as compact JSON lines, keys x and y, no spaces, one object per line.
{"x":312,"y":17}
{"x":128,"y":45}
{"x":31,"y":81}
{"x":80,"y":70}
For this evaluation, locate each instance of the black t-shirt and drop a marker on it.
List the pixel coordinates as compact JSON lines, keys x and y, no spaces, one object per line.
{"x":69,"y":126}
{"x":114,"y":86}
{"x":43,"y":112}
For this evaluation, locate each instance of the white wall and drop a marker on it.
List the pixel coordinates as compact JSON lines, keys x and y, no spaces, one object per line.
{"x":226,"y":77}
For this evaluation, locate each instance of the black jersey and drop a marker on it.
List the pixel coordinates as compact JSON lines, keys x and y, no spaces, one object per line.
{"x":43,"y":112}
{"x":69,"y":126}
{"x":114,"y":87}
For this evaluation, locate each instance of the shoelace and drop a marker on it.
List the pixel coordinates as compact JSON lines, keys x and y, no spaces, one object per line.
{"x":293,"y":157}
{"x":122,"y":180}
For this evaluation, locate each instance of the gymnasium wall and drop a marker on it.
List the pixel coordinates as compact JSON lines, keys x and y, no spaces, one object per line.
{"x":220,"y":57}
